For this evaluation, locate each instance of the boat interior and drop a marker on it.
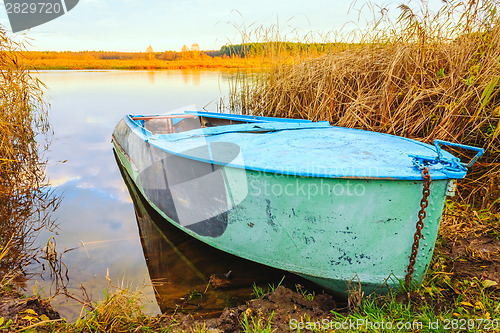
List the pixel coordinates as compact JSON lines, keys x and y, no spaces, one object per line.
{"x":191,"y":120}
{"x":168,"y":124}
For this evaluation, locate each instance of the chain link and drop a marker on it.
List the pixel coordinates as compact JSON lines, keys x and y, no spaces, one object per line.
{"x":420,"y":224}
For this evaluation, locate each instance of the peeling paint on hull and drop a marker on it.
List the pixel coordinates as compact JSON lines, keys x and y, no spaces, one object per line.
{"x":329,"y":230}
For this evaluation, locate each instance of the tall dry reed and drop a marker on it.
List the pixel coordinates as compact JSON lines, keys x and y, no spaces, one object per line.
{"x":425,"y":76}
{"x":24,"y":201}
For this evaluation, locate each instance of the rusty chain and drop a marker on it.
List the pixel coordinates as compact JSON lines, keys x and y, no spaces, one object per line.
{"x":420,"y":224}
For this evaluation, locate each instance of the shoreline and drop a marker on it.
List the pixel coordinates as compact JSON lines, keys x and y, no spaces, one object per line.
{"x":75,"y":63}
{"x":281,"y":305}
{"x":456,"y":287}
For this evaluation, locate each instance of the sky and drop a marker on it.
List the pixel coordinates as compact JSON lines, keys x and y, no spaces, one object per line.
{"x":133,"y":25}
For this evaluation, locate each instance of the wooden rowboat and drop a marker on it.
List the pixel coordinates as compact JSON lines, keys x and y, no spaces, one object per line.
{"x":334,"y":205}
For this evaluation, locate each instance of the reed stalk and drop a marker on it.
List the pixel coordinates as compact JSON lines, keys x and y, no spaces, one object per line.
{"x":24,"y":200}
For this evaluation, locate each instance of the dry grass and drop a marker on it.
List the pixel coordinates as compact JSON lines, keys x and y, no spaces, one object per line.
{"x":120,"y":311}
{"x":23,"y":199}
{"x":426,"y":76}
{"x":462,"y":220}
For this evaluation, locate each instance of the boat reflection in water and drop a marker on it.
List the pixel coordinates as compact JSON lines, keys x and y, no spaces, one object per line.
{"x":188,"y":275}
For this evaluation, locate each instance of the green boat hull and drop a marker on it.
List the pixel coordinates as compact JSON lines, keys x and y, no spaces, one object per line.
{"x":339,"y":233}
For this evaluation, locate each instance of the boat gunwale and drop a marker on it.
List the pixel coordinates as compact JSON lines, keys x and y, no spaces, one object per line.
{"x":251,"y":118}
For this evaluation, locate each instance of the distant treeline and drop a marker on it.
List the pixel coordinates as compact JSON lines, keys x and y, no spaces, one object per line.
{"x":258,"y":49}
{"x":186,"y":59}
{"x":112,"y":55}
{"x":231,"y":51}
{"x":229,"y":56}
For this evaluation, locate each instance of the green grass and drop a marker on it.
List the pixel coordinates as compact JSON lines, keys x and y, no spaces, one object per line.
{"x":257,"y":323}
{"x":259,"y":292}
{"x":473,"y":308}
{"x":421,"y":312}
{"x":309,"y":296}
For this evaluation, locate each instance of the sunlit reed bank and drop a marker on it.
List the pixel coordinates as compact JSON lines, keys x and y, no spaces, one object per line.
{"x":24,"y":202}
{"x":426,"y":76}
{"x":134,"y":61}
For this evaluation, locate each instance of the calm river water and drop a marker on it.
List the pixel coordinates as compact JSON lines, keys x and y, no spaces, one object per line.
{"x":96,"y":218}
